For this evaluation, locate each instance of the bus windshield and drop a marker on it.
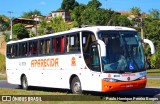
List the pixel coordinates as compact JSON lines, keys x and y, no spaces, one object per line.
{"x":124,"y":51}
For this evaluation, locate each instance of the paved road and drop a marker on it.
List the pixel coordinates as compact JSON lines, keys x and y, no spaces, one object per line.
{"x":153,"y":77}
{"x":146,"y":92}
{"x":5,"y":84}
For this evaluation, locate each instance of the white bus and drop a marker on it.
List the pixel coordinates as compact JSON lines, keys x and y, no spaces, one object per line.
{"x":97,"y":58}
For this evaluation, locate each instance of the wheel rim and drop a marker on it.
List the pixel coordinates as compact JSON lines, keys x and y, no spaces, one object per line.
{"x":77,"y":87}
{"x":24,"y":83}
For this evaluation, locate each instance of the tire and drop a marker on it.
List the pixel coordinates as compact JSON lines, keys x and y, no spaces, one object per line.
{"x":76,"y":86}
{"x":24,"y":83}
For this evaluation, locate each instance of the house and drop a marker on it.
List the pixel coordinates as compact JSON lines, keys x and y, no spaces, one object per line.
{"x":29,"y":23}
{"x":64,"y":14}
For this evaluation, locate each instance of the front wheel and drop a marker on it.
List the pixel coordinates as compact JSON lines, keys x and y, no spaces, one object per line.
{"x":24,"y":83}
{"x":76,"y":86}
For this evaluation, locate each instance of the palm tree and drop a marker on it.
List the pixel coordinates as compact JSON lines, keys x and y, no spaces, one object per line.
{"x":154,"y":13}
{"x":135,"y":11}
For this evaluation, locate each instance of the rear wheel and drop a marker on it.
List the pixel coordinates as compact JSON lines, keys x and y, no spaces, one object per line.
{"x":76,"y":86}
{"x":24,"y":83}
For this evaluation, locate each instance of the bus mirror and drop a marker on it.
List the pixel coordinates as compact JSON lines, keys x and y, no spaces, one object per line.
{"x":150,"y":44}
{"x":102,"y":48}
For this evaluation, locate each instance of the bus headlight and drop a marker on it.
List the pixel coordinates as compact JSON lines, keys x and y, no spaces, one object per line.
{"x":143,"y":77}
{"x":110,"y":80}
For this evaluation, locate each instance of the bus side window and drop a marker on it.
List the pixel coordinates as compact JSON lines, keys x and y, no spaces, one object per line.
{"x":9,"y":51}
{"x":58,"y":45}
{"x":15,"y":51}
{"x":87,"y":39}
{"x":62,"y":45}
{"x":23,"y":49}
{"x":54,"y":45}
{"x":73,"y":43}
{"x":47,"y":43}
{"x":30,"y":51}
{"x":35,"y":48}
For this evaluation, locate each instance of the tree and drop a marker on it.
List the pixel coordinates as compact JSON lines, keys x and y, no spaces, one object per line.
{"x":135,"y":11}
{"x":154,"y":13}
{"x":44,"y":27}
{"x":123,"y":21}
{"x":94,"y":4}
{"x":20,"y":30}
{"x":93,"y":16}
{"x":152,"y":32}
{"x":4,"y":23}
{"x":30,"y":14}
{"x":58,"y":24}
{"x":76,"y":14}
{"x":69,"y":4}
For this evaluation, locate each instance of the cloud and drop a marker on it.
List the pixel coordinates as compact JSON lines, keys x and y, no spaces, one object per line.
{"x":43,"y":3}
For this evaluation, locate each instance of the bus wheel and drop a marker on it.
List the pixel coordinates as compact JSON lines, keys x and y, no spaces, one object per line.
{"x":76,"y":86}
{"x":24,"y":83}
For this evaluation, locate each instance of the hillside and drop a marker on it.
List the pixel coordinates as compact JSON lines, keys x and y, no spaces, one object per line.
{"x":2,"y":45}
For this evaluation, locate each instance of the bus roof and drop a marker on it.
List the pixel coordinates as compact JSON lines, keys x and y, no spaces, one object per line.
{"x":91,"y":28}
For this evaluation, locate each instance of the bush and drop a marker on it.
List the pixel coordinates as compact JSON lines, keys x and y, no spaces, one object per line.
{"x":2,"y":63}
{"x":155,"y":60}
{"x":7,"y":37}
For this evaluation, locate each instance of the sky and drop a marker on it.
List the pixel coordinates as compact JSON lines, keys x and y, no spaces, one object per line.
{"x":18,"y":7}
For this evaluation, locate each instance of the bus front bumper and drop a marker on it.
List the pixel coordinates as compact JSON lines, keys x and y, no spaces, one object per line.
{"x":118,"y":86}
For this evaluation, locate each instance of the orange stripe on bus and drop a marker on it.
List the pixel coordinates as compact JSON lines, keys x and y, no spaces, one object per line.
{"x":117,"y":86}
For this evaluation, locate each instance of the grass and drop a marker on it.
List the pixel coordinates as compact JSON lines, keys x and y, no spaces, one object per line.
{"x":153,"y":83}
{"x":2,"y":63}
{"x":153,"y":72}
{"x":5,"y":91}
{"x":2,"y":77}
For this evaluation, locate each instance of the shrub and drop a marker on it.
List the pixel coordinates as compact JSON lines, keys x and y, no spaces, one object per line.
{"x":155,"y":60}
{"x":2,"y":63}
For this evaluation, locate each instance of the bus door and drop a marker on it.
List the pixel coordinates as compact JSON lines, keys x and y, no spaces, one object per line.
{"x":91,"y":59}
{"x":95,"y":68}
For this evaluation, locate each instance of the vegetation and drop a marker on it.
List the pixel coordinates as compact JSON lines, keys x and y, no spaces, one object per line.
{"x":58,"y":24}
{"x":4,"y":23}
{"x":5,"y":91}
{"x":153,"y":72}
{"x":2,"y":63}
{"x":20,"y":30}
{"x":155,"y":13}
{"x":69,"y":4}
{"x":31,"y":14}
{"x":153,"y":83}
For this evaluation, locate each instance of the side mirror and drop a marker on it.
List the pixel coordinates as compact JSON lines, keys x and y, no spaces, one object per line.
{"x":150,"y":44}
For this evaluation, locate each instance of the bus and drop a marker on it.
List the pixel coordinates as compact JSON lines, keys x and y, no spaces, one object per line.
{"x":95,"y":58}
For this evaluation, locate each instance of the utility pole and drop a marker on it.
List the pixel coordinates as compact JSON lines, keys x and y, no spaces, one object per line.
{"x":141,"y":20}
{"x":35,"y":18}
{"x":10,"y":12}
